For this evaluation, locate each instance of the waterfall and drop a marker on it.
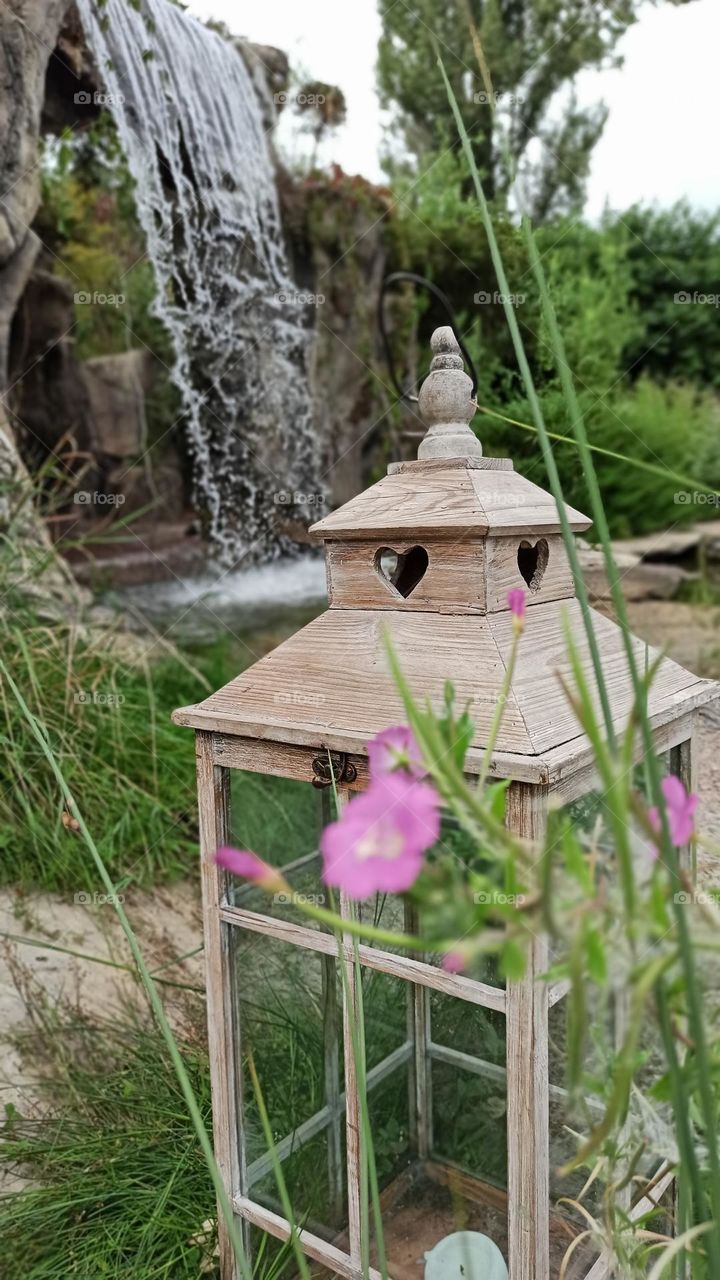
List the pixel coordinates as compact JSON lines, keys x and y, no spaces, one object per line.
{"x":191,"y":125}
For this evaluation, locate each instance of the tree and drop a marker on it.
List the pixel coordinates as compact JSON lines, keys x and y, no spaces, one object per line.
{"x":532,"y":49}
{"x":324,"y":108}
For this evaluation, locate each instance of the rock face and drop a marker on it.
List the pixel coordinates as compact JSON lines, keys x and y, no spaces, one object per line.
{"x":36,"y":94}
{"x":116,"y":388}
{"x":28,"y":29}
{"x":337,"y":237}
{"x":49,"y":399}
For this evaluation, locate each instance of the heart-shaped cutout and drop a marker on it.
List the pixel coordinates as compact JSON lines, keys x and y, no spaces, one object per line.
{"x":401,"y":571}
{"x":533,"y":561}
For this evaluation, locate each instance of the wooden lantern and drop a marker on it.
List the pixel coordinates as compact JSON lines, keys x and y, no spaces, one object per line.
{"x":430,"y":551}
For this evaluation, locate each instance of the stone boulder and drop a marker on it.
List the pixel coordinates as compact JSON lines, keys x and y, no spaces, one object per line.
{"x":159,"y":486}
{"x":116,"y":388}
{"x":337,"y":236}
{"x":49,"y":401}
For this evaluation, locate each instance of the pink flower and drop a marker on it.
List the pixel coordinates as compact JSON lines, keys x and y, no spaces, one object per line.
{"x":243,"y":863}
{"x":395,"y":748}
{"x":453,"y":962}
{"x":681,"y":807}
{"x":516,"y":605}
{"x":377,"y":844}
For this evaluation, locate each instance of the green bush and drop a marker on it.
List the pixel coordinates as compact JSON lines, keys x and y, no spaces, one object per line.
{"x":131,"y":770}
{"x":676,"y":426}
{"x":119,"y":1183}
{"x":674,"y":252}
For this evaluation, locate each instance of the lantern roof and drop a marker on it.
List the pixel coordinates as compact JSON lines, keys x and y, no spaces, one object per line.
{"x":427,"y":556}
{"x":447,"y":498}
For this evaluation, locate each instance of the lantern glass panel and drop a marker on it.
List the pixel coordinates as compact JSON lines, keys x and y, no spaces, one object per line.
{"x":269,"y":1254}
{"x":317,"y":1188}
{"x":469,"y":1125}
{"x":281,"y":820}
{"x":386,"y":1009}
{"x":288,"y":1017}
{"x":391,"y":1125}
{"x":648,"y":1129}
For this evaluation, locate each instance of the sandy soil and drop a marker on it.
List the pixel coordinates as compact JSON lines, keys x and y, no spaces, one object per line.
{"x":168,"y":923}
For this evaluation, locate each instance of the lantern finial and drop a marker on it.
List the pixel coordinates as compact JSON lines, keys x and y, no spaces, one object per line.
{"x":446,"y":403}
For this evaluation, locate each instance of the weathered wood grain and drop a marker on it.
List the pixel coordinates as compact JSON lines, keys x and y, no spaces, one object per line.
{"x":330,"y":685}
{"x":223,"y":1047}
{"x":281,"y":759}
{"x":454,"y":581}
{"x":528,"y":1096}
{"x":351,"y":1019}
{"x":314,"y":1246}
{"x":683,"y":763}
{"x":503,"y":572}
{"x":420,"y":1034}
{"x":513,"y":504}
{"x":444,"y":502}
{"x":445,"y":464}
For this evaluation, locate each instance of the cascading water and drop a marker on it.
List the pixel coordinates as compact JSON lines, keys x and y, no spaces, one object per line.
{"x":191,"y":125}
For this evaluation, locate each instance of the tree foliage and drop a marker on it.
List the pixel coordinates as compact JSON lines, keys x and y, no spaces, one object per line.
{"x":533,"y":49}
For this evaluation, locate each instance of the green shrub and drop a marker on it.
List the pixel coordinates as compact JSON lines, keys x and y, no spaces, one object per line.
{"x":119,"y":1185}
{"x":132,"y":771}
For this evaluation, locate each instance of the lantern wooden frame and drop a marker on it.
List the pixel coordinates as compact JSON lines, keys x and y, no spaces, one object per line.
{"x":525,"y":1005}
{"x":471,"y":533}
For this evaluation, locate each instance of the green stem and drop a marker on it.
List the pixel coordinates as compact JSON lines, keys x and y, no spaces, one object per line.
{"x":361,"y":930}
{"x":691,"y":1190}
{"x":538,"y":418}
{"x":697,"y":1028}
{"x":499,"y":711}
{"x":278,"y":1173}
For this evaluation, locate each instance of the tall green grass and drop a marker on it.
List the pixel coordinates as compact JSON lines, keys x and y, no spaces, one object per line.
{"x":105,"y":713}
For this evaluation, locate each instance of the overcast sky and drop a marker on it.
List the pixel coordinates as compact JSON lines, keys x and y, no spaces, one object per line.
{"x":660,"y":142}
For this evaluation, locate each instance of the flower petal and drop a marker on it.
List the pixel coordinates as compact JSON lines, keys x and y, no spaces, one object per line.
{"x":378,"y":843}
{"x":241,"y":862}
{"x":673,"y":791}
{"x":395,"y":748}
{"x":516,"y":602}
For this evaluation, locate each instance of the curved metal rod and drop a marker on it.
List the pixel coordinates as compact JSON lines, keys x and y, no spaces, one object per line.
{"x":394,"y":278}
